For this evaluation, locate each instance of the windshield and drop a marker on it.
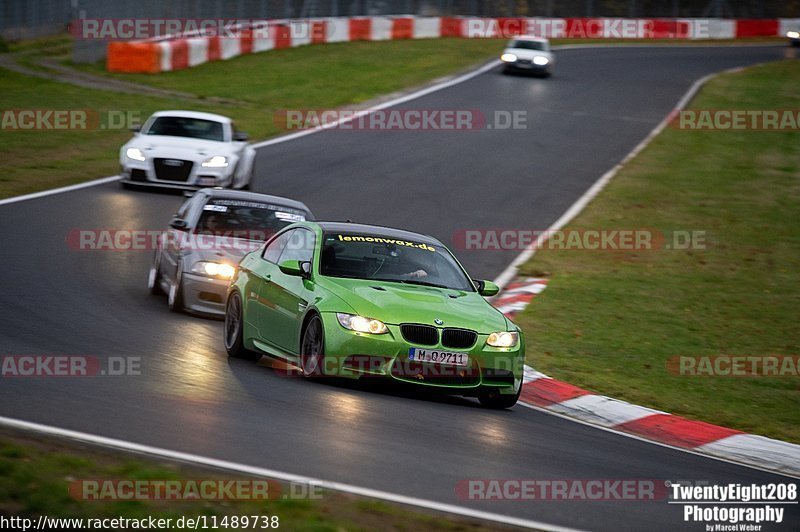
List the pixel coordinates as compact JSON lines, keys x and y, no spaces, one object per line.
{"x":380,"y":258}
{"x":246,"y":219}
{"x":195,"y":128}
{"x":529,"y":45}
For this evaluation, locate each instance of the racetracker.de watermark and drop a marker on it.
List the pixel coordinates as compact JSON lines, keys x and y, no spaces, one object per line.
{"x":404,"y":368}
{"x":734,"y":366}
{"x":68,"y":119}
{"x":561,"y":490}
{"x":152,"y":239}
{"x":127,"y":29}
{"x":736,"y":120}
{"x":579,"y":239}
{"x":401,"y":119}
{"x":68,"y":366}
{"x":189,"y":490}
{"x":582,"y":28}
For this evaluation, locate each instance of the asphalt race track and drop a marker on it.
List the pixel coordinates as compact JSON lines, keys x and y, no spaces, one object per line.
{"x":190,"y":397}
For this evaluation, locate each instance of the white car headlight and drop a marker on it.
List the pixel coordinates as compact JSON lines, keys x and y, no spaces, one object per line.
{"x":135,"y":154}
{"x":540,"y":60}
{"x":361,"y":324}
{"x":214,"y":269}
{"x":508,"y":58}
{"x":503,"y":339}
{"x":793,"y":34}
{"x":217,"y":161}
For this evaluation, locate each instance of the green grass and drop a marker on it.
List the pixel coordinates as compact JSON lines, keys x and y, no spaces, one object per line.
{"x":308,"y":77}
{"x":37,"y":160}
{"x":35,"y":475}
{"x":609,"y":321}
{"x":332,"y":75}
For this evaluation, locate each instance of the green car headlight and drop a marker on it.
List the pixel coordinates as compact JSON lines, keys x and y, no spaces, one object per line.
{"x":214,"y":269}
{"x":503,"y":339}
{"x":361,"y":324}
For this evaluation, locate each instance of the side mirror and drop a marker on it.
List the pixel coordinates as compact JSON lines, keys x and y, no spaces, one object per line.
{"x":240,"y":136}
{"x":295,"y":267}
{"x":486,"y":288}
{"x":136,"y":128}
{"x":177,"y":223}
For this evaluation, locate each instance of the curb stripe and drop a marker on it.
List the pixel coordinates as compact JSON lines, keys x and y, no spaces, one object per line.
{"x":757,"y":450}
{"x":546,"y":392}
{"x":601,"y":410}
{"x":572,"y":402}
{"x":676,"y":430}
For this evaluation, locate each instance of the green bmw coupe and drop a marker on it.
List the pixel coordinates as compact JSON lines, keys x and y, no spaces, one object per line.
{"x":352,"y":300}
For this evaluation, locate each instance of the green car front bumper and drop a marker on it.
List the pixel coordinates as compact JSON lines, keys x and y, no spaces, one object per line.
{"x":354,"y":355}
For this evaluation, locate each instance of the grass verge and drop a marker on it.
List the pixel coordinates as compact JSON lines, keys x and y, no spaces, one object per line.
{"x":307,"y":77}
{"x":610,"y":321}
{"x":36,"y":474}
{"x":258,"y":85}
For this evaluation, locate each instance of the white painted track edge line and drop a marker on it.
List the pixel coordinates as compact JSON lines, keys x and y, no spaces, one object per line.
{"x":285,"y":138}
{"x":510,"y":272}
{"x":59,"y":190}
{"x":291,"y":136}
{"x":278,"y":475}
{"x":389,"y":103}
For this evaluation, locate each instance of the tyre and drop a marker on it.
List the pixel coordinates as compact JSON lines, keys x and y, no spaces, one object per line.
{"x":175,"y":296}
{"x":249,"y":181}
{"x":312,"y":348}
{"x":495,"y":400}
{"x":154,"y":276}
{"x":233,"y":332}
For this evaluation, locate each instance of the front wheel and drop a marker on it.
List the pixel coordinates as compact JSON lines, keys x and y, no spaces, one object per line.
{"x":175,"y":296}
{"x":312,"y":348}
{"x":495,"y":400}
{"x":154,"y":275}
{"x":233,"y":332}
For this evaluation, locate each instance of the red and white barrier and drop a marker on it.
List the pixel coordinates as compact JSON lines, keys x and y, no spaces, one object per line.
{"x":166,"y":54}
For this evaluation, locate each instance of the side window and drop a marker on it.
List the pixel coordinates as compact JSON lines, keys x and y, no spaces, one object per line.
{"x":273,"y":250}
{"x":300,"y":246}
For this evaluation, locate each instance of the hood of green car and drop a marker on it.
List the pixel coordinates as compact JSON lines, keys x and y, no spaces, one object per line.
{"x":395,"y":303}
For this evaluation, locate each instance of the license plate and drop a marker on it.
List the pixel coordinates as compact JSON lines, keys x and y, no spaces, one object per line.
{"x":438,"y":357}
{"x":206,"y":181}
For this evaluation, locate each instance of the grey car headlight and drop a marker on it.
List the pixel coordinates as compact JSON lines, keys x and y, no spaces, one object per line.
{"x":219,"y":270}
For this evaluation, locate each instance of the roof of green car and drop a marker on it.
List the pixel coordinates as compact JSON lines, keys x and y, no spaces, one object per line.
{"x":376,"y":230}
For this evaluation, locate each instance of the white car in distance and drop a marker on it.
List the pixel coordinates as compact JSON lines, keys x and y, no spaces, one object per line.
{"x":528,"y":54}
{"x":187,"y":150}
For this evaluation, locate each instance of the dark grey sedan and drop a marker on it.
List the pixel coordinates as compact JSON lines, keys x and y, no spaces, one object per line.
{"x":196,"y":258}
